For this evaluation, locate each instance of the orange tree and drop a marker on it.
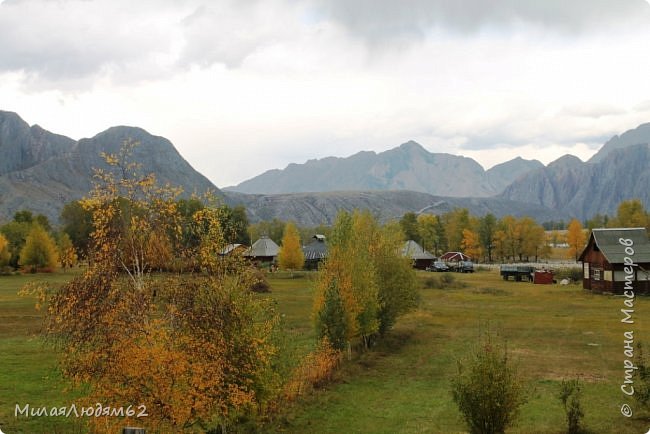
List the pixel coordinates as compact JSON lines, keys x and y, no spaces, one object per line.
{"x":196,"y":349}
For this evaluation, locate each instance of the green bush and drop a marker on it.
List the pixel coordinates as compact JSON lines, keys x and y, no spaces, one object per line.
{"x":570,"y":392}
{"x":573,"y":274}
{"x":487,"y":389}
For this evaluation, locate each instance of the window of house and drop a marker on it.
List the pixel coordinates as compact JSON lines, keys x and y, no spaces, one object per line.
{"x":596,"y":274}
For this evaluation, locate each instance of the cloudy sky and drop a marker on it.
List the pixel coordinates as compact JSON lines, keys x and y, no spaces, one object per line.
{"x":242,"y":86}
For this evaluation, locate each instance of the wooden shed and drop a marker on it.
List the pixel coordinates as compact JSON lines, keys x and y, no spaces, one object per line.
{"x":616,"y":255}
{"x":421,"y":258}
{"x":315,"y":252}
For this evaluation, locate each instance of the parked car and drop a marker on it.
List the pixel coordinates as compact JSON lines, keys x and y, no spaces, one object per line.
{"x":465,"y":267}
{"x":438,"y":266}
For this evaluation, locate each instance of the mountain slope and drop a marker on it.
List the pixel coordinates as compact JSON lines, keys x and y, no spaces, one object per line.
{"x":22,"y":146}
{"x":46,"y":186}
{"x":312,"y":209}
{"x":407,"y":167}
{"x":638,"y":136}
{"x":583,"y":189}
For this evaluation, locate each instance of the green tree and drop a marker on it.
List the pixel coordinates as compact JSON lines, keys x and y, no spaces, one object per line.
{"x":398,"y":293}
{"x":487,"y":228}
{"x":428,"y":232}
{"x":330,"y":319}
{"x":409,"y":224}
{"x":24,"y":216}
{"x":487,"y":389}
{"x":273,"y":229}
{"x":291,"y":256}
{"x":78,"y":224}
{"x":39,"y":250}
{"x":16,"y":233}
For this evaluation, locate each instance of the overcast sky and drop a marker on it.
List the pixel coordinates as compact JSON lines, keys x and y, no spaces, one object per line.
{"x":243,"y":86}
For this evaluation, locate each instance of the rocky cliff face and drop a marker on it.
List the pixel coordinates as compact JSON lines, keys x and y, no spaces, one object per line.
{"x":44,"y":171}
{"x":638,"y":136}
{"x":22,"y":146}
{"x":407,"y":167}
{"x":584,"y":189}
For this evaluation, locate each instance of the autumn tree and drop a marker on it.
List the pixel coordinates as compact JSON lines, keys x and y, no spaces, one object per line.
{"x":470,"y":244}
{"x":198,"y":349}
{"x":39,"y":250}
{"x":455,"y":222}
{"x":291,"y":256}
{"x":5,"y":255}
{"x":575,"y":238}
{"x":630,"y":214}
{"x":67,"y":254}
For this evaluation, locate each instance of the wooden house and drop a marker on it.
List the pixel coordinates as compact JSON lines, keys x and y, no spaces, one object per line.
{"x":315,"y":252}
{"x":263,"y":250}
{"x":607,"y":257}
{"x":421,"y":258}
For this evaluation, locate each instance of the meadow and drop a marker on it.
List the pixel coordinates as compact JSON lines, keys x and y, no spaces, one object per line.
{"x":402,"y":385}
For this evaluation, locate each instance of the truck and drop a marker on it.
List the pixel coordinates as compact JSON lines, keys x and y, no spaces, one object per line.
{"x":518,"y":273}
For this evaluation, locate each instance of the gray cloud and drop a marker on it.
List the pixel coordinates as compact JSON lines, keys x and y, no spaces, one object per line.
{"x":381,"y":20}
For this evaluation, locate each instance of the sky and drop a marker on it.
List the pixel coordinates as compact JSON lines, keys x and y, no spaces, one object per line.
{"x":244,"y":86}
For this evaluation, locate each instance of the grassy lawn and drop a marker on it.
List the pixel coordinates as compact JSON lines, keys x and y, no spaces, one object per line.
{"x":402,"y":385}
{"x":553,"y":332}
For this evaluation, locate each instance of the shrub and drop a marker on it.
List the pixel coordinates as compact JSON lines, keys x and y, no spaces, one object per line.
{"x":316,"y":370}
{"x":487,"y":389}
{"x":258,"y":282}
{"x":570,"y":392}
{"x":642,"y":384}
{"x":573,"y":274}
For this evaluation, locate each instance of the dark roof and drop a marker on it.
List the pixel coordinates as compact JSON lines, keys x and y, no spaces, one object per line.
{"x":607,"y":241}
{"x":315,"y":250}
{"x":263,"y":247}
{"x":415,"y":251}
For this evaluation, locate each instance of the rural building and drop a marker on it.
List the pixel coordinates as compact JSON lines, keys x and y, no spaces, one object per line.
{"x":263,"y":250}
{"x":421,"y":258}
{"x":603,"y":260}
{"x":455,"y":257}
{"x":315,"y":252}
{"x":233,"y":249}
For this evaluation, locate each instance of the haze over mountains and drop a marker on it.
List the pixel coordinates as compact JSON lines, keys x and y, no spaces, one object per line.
{"x":42,"y":171}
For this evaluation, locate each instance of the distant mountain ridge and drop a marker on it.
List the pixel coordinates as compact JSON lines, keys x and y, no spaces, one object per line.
{"x":42,"y":171}
{"x":584,"y":189}
{"x":407,"y":167}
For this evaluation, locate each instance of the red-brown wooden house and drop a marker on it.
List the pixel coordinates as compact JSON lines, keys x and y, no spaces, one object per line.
{"x":603,"y":260}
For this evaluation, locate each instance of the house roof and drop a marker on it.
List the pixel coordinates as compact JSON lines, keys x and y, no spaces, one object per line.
{"x":230,"y":248}
{"x":315,"y":250}
{"x":415,"y":251}
{"x":607,"y":241}
{"x":455,"y":256}
{"x":263,"y":247}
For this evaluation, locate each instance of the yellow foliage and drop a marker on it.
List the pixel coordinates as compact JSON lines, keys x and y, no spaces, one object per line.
{"x":291,"y":256}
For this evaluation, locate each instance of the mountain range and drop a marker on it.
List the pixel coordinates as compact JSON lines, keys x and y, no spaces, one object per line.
{"x":42,"y":171}
{"x":407,"y":167}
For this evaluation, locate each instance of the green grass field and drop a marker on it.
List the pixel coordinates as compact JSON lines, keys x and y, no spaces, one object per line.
{"x":402,"y":385}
